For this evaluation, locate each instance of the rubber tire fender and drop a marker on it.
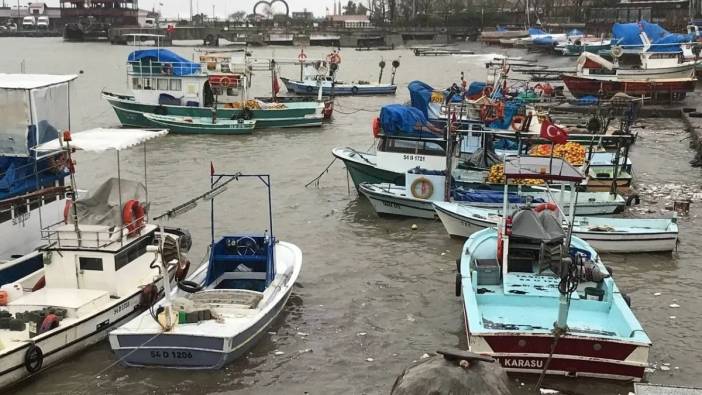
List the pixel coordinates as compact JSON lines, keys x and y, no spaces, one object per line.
{"x":33,"y":359}
{"x":189,"y":286}
{"x":354,"y":90}
{"x":458,"y":284}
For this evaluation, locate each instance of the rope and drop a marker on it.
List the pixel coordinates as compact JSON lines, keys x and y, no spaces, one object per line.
{"x":110,"y":366}
{"x":315,"y":180}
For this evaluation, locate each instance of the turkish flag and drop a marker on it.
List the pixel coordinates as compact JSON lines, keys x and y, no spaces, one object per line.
{"x":551,"y":132}
{"x":275,"y":85}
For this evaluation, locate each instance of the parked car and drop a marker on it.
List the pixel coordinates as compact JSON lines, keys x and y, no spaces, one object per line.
{"x":28,"y":23}
{"x":43,"y":22}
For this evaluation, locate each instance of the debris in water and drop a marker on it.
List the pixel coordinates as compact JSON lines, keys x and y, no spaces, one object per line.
{"x":548,"y":391}
{"x":361,"y":334}
{"x":657,"y":294}
{"x":443,"y":253}
{"x":304,"y":351}
{"x":303,"y":334}
{"x":415,"y":227}
{"x":370,"y":359}
{"x":464,"y":364}
{"x":278,"y":353}
{"x":675,"y":305}
{"x":672,"y":317}
{"x":665,"y":368}
{"x":271,"y":333}
{"x":424,"y":356}
{"x":410,"y":318}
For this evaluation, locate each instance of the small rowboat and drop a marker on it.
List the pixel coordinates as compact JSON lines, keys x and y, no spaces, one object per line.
{"x":202,"y":125}
{"x":619,"y":235}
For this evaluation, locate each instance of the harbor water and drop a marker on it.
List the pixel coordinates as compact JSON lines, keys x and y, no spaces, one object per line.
{"x":374,"y":295}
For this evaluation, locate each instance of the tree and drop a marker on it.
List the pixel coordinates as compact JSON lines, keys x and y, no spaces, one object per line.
{"x":238,"y":16}
{"x":361,"y":9}
{"x":350,"y":8}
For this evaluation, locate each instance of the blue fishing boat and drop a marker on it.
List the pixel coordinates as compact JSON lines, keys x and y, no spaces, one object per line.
{"x":223,"y":308}
{"x":33,"y":194}
{"x":540,"y":300}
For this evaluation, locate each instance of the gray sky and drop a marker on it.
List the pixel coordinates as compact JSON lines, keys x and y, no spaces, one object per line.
{"x":172,"y":8}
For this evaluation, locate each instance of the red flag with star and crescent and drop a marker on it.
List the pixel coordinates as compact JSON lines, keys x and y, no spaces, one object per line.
{"x":553,"y":133}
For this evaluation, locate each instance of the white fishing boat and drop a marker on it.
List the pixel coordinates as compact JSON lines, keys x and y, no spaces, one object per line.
{"x":618,"y":235}
{"x":223,"y":309}
{"x":99,"y":270}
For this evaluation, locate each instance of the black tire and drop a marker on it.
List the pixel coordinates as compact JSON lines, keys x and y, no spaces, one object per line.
{"x":247,"y":114}
{"x":458,"y":265}
{"x":189,"y":286}
{"x":354,"y":90}
{"x":33,"y":359}
{"x":309,"y":89}
{"x":458,"y":284}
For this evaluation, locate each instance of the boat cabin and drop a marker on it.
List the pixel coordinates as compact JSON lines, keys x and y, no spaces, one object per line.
{"x":241,"y":262}
{"x":160,"y":76}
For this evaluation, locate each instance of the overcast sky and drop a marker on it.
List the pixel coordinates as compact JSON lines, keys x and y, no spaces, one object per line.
{"x":173,"y":8}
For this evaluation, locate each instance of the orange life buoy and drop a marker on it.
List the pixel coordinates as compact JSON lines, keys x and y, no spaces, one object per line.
{"x":547,"y":89}
{"x":376,"y":126}
{"x":133,"y":216}
{"x":538,"y":89}
{"x":518,"y":122}
{"x":182,"y":269}
{"x":67,"y":210}
{"x":546,"y":206}
{"x":225,"y":81}
{"x":487,"y":91}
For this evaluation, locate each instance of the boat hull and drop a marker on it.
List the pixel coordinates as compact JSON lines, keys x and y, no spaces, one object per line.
{"x":459,"y":225}
{"x":675,"y":88}
{"x":176,"y":125}
{"x":629,"y":242}
{"x":387,"y":204}
{"x":130,"y":113}
{"x":299,"y":88}
{"x":64,"y":342}
{"x":573,"y":356}
{"x":366,"y":171}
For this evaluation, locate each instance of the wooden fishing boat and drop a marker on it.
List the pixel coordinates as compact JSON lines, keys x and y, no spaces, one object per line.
{"x":310,"y":86}
{"x":600,"y":178}
{"x":605,"y":234}
{"x":541,"y":301}
{"x":222,"y":310}
{"x":202,"y":125}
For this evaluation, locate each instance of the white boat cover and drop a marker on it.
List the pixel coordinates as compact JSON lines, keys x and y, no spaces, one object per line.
{"x":103,"y":207}
{"x":100,"y":139}
{"x":585,"y":56}
{"x":32,"y":81}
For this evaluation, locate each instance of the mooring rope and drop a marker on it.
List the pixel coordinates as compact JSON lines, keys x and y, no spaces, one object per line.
{"x":315,"y":180}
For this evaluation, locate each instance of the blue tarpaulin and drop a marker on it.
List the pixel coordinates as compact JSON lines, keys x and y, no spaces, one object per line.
{"x":420,"y":96}
{"x":574,"y":33}
{"x":511,"y":109}
{"x":396,"y":119}
{"x":533,"y":31}
{"x":181,"y":66}
{"x":628,"y":35}
{"x":487,"y":196}
{"x":544,"y":41}
{"x":475,"y":87}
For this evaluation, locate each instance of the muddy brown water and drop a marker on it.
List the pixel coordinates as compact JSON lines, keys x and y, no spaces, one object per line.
{"x":373,"y":295}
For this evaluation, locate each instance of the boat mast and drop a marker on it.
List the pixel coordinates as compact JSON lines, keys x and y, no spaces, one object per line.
{"x":74,"y":189}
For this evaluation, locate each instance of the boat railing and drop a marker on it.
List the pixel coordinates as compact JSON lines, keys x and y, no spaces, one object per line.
{"x":156,"y":68}
{"x":85,"y":236}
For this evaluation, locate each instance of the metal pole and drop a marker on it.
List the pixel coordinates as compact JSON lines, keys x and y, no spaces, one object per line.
{"x":146,"y":182}
{"x":211,"y":207}
{"x":119,"y":190}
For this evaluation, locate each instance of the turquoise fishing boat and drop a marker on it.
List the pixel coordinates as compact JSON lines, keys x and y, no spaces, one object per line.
{"x":164,"y":83}
{"x":203,"y":125}
{"x":540,"y":300}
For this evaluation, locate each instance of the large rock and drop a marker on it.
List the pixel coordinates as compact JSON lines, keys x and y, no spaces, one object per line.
{"x":435,"y":375}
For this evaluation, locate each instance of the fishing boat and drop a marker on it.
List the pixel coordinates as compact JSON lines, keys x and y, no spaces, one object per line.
{"x":202,"y":125}
{"x":99,"y":269}
{"x":223,"y":309}
{"x":605,"y":234}
{"x":164,"y":83}
{"x":540,"y":300}
{"x":310,"y":85}
{"x":35,"y":107}
{"x":494,"y":36}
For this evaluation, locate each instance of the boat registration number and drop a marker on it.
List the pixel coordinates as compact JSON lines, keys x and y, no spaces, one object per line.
{"x":418,"y":158}
{"x":171,"y":354}
{"x":522,"y":363}
{"x":390,"y":204}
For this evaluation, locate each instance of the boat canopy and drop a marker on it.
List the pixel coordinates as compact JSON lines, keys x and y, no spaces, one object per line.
{"x":181,"y":65}
{"x":399,"y":120}
{"x":629,"y":35}
{"x":535,"y":31}
{"x":100,"y":140}
{"x":104,"y":205}
{"x":33,"y":108}
{"x":541,"y":168}
{"x":527,"y":224}
{"x":422,"y":95}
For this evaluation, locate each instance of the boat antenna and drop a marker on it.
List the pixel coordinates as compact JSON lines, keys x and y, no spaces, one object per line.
{"x":74,"y":189}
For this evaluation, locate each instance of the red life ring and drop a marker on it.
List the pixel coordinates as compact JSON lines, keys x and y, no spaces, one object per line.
{"x":538,"y":89}
{"x":182,"y":269}
{"x":518,"y":122}
{"x":487,"y":91}
{"x":67,"y":210}
{"x":376,"y":126}
{"x":225,"y":81}
{"x":334,"y":58}
{"x":133,"y":216}
{"x":546,"y":206}
{"x":486,"y":114}
{"x":302,"y":56}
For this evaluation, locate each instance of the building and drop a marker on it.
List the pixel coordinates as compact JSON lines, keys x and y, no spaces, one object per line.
{"x":349,"y":21}
{"x":302,"y":15}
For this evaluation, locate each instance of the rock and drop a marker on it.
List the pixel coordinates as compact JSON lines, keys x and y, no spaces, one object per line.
{"x":435,"y":375}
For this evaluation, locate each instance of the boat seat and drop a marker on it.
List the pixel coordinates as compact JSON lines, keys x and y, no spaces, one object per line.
{"x":241,"y":297}
{"x":240,"y":258}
